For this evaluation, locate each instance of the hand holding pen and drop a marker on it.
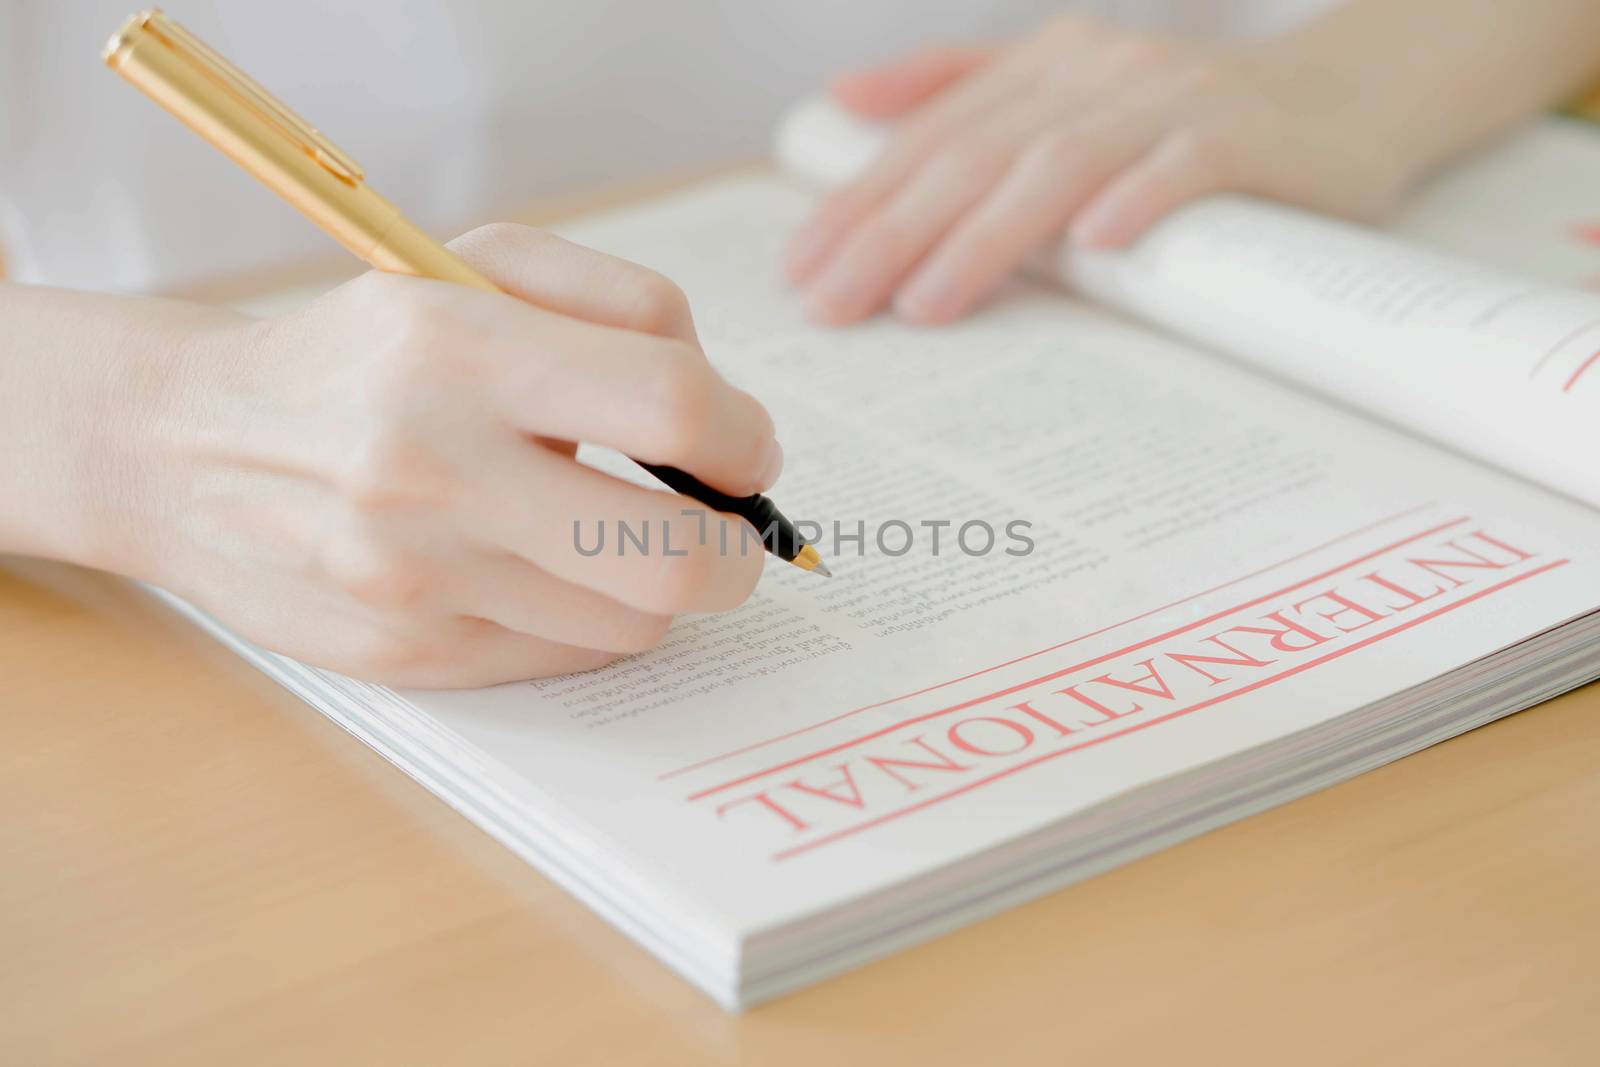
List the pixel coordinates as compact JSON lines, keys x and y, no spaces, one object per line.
{"x":383,"y":482}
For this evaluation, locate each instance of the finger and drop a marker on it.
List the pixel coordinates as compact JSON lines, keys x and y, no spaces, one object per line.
{"x":1182,"y":167}
{"x":567,"y":278}
{"x":656,"y":552}
{"x":508,"y":590}
{"x":961,"y":106}
{"x":553,"y":273}
{"x":1052,"y":179}
{"x":888,"y":90}
{"x":652,"y":399}
{"x":886,"y":245}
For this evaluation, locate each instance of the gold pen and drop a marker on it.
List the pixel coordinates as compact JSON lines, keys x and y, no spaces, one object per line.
{"x":219,"y":102}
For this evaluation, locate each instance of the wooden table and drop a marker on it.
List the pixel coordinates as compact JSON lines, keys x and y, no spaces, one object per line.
{"x":195,"y":868}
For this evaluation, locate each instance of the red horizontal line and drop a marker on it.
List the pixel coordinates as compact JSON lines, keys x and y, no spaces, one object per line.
{"x":1011,"y":662}
{"x":1579,"y":372}
{"x":1030,"y":683}
{"x":970,"y":786}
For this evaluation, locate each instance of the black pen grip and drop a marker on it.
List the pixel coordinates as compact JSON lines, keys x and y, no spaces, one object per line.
{"x":778,"y":534}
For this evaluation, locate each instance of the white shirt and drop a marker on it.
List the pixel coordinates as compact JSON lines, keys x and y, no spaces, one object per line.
{"x":457,"y":109}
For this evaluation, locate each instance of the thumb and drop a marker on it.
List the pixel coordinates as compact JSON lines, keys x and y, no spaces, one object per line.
{"x":889,"y":90}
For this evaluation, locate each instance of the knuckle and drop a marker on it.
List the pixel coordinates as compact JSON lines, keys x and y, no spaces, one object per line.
{"x":497,"y":232}
{"x":881,"y":238}
{"x":981,"y":247}
{"x":844,"y":205}
{"x":655,"y":303}
{"x":398,"y":317}
{"x":1202,"y":150}
{"x":414,"y":334}
{"x":760,"y":426}
{"x":383,"y":470}
{"x":408,"y":389}
{"x":381,"y":579}
{"x":972,"y":160}
{"x":498,"y":238}
{"x":412,"y":363}
{"x":685,"y":395}
{"x":1058,"y":151}
{"x":502,"y":250}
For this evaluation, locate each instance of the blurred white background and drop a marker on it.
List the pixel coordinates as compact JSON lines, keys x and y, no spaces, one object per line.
{"x":459,"y":111}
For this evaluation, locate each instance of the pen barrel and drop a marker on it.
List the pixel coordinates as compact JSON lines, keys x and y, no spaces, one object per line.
{"x":405,"y":249}
{"x":349,"y":211}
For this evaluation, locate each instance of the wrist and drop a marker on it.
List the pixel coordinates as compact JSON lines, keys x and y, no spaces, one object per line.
{"x":1339,"y":98}
{"x":93,"y":398}
{"x":1412,"y":94}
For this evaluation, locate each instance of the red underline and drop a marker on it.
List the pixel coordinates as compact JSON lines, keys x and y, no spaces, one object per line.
{"x":1030,"y":683}
{"x":1053,"y":648}
{"x":1579,"y":372}
{"x":891,"y":816}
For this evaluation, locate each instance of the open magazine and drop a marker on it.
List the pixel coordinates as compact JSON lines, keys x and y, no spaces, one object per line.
{"x":1273,"y":501}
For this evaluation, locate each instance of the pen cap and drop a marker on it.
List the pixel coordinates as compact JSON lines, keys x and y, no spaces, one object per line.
{"x":228,"y":109}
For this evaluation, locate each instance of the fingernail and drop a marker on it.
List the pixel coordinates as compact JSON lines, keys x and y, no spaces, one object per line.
{"x":835,"y":297}
{"x":772,"y":464}
{"x":1094,"y":230}
{"x":800,"y":257}
{"x":928,"y":297}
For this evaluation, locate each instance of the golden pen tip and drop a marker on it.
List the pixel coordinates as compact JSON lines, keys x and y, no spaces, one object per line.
{"x":810,"y":560}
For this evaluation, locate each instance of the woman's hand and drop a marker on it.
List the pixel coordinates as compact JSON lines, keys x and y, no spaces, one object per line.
{"x":1080,"y":127}
{"x":378,"y":483}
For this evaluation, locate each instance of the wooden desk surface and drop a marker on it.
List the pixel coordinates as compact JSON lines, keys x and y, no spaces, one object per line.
{"x":195,"y":868}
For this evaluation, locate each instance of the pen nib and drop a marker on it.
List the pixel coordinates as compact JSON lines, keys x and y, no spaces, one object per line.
{"x":810,"y":559}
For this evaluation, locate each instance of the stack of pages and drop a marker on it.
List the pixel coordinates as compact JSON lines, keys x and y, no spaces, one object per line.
{"x":1275,"y":500}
